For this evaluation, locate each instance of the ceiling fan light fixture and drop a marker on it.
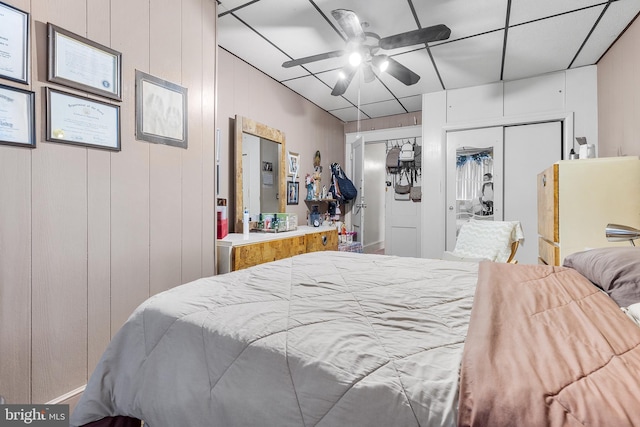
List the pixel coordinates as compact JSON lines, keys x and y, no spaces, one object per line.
{"x":341,"y":75}
{"x":381,"y":62}
{"x":355,"y":59}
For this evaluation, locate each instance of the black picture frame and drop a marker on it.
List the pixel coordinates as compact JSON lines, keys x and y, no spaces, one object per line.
{"x":161,"y":111}
{"x":76,"y":120}
{"x":8,"y":32}
{"x":83,"y":64}
{"x":293,"y":192}
{"x":17,"y":117}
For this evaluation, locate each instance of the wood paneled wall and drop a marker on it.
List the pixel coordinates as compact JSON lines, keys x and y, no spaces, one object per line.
{"x":618,"y":95}
{"x":86,"y":234}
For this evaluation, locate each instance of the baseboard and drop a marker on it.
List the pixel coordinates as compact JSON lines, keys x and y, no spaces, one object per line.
{"x":373,"y":247}
{"x":67,"y":396}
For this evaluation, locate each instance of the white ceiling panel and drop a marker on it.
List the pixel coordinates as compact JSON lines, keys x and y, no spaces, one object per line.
{"x":317,"y":92}
{"x":535,"y":48}
{"x":249,"y":46}
{"x":464,"y":18}
{"x":609,"y":28}
{"x":412,"y":103}
{"x":294,"y":28}
{"x":470,"y":62}
{"x":384,"y":18}
{"x":227,"y":5}
{"x":378,"y":108}
{"x":350,"y":114}
{"x":525,"y":11}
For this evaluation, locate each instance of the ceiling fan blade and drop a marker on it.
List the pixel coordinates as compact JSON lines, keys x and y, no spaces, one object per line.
{"x":341,"y":86}
{"x":369,"y":75}
{"x":313,"y":58}
{"x":410,"y":38}
{"x":350,"y":24}
{"x":402,"y":73}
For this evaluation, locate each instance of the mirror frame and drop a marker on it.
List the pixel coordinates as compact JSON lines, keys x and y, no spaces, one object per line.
{"x":246,"y":125}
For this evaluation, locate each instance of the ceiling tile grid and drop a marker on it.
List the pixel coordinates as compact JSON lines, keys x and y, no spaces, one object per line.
{"x":490,"y":40}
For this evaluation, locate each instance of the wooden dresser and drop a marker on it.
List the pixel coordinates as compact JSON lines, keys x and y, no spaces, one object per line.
{"x":578,"y":198}
{"x":235,"y":253}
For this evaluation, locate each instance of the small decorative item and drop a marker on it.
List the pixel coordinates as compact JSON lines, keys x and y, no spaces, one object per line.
{"x":293,"y":161}
{"x":309,"y":183}
{"x":316,"y":160}
{"x":292,"y":192}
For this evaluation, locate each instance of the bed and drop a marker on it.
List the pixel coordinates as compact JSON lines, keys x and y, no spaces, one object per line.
{"x":345,"y":339}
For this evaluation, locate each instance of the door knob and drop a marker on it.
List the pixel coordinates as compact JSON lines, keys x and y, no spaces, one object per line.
{"x":450,"y":208}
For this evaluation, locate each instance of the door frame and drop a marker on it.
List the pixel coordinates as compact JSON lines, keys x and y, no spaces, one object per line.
{"x":375,"y":136}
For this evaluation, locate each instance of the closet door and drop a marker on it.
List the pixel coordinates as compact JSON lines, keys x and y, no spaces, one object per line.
{"x":528,"y":150}
{"x":474,"y":178}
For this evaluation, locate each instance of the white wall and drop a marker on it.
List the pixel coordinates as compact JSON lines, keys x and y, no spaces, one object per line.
{"x":569,"y":95}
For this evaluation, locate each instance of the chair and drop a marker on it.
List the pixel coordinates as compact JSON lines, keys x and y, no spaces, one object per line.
{"x":487,"y":240}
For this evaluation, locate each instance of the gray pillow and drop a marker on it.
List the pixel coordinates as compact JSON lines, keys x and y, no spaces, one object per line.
{"x":616,"y":270}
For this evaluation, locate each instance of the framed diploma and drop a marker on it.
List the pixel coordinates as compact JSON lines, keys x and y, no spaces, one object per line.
{"x":17,"y":112}
{"x":83,"y":64}
{"x":161,"y":111}
{"x":14,"y":44}
{"x":82,"y":121}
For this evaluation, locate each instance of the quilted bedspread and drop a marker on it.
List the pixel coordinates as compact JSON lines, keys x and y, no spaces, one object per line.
{"x":321,"y":339}
{"x":547,"y":348}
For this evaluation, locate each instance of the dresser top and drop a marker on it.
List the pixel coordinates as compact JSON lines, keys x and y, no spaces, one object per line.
{"x":237,"y":239}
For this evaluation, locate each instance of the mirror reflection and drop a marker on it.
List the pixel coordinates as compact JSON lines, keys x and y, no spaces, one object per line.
{"x":260,"y":173}
{"x":474,"y":184}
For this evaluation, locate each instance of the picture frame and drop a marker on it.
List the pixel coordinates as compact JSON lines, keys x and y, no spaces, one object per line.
{"x":17,"y":117}
{"x":293,"y":162}
{"x":14,"y":51}
{"x":161,"y":111}
{"x":293,"y":192}
{"x":83,"y":64}
{"x":76,"y":120}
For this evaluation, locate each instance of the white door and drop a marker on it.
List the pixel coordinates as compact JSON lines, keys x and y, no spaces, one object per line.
{"x":403,"y":226}
{"x":528,"y":150}
{"x":474,"y":178}
{"x":359,"y":206}
{"x":375,"y":155}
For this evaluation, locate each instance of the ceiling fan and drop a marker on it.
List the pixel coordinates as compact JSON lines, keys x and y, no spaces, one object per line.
{"x":363,"y":48}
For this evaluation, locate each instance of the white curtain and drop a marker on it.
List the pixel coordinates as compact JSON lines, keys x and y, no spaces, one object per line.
{"x":470,"y":174}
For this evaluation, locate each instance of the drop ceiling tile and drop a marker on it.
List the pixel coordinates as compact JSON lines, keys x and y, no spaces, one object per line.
{"x":464,"y":18}
{"x":227,"y":5}
{"x":547,"y":45}
{"x":470,"y":62}
{"x":294,"y":26}
{"x":317,"y":92}
{"x":614,"y":21}
{"x":525,"y":11}
{"x":350,"y":114}
{"x":412,"y":103}
{"x":244,"y":43}
{"x":384,"y":108}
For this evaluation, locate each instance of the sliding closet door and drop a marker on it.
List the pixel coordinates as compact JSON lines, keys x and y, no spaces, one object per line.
{"x":474,"y":178}
{"x":528,"y":150}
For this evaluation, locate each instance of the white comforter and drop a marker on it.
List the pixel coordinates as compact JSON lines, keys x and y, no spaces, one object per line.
{"x":321,"y":339}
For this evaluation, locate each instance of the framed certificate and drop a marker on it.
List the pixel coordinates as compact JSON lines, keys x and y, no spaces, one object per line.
{"x":14,"y":44}
{"x":83,"y":64}
{"x":17,"y":112}
{"x":161,"y":111}
{"x":82,"y":121}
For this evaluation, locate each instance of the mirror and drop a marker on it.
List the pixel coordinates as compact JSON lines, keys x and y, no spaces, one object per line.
{"x":260,"y":173}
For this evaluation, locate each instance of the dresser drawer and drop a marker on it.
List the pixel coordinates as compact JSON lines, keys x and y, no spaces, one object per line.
{"x":549,"y":253}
